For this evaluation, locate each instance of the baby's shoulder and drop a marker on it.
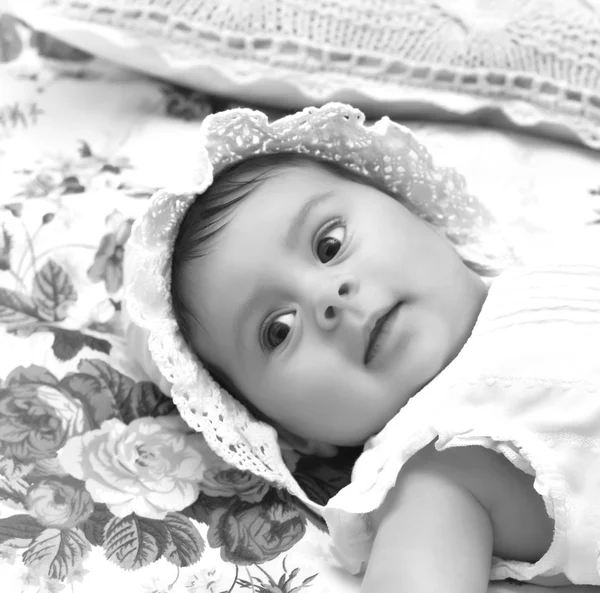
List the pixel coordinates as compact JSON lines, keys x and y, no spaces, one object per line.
{"x":471,"y":469}
{"x":477,"y":469}
{"x":521,"y":526}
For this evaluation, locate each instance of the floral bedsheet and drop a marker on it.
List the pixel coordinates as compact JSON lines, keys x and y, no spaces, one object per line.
{"x":102,"y":485}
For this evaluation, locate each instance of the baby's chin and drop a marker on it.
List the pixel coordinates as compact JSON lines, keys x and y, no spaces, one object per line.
{"x":342,"y":435}
{"x":433,"y":358}
{"x":357,"y":436}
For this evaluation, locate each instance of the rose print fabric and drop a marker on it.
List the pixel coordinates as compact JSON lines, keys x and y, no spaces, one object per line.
{"x":102,"y":486}
{"x":100,"y":480}
{"x":168,"y":465}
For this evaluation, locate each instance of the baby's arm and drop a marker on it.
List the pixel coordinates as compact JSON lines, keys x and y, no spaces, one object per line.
{"x":500,"y":587}
{"x":432,"y":536}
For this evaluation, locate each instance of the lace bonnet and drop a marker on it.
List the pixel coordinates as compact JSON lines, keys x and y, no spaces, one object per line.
{"x":384,"y":151}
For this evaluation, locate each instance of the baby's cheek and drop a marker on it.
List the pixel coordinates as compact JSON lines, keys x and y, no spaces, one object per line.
{"x":321,"y":382}
{"x":427,"y":352}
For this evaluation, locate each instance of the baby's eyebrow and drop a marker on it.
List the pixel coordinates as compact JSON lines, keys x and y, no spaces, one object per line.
{"x":300,"y":218}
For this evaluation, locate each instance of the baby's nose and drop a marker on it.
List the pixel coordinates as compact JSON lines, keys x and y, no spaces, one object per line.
{"x":333,"y":301}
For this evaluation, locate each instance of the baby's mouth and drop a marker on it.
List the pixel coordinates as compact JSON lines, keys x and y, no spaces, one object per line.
{"x":378,"y":334}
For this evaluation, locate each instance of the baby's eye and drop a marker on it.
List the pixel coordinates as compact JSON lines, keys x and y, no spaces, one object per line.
{"x":276,"y":331}
{"x":330,"y":241}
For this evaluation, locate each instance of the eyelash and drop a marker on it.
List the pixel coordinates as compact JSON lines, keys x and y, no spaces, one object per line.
{"x":333,"y":223}
{"x":323,"y":230}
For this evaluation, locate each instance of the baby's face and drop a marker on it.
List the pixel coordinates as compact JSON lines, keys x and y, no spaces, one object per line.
{"x":329,"y":304}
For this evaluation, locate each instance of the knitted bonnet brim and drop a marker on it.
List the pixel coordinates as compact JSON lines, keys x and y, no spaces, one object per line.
{"x":387,"y":152}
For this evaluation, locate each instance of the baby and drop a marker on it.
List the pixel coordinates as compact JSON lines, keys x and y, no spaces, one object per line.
{"x":340,"y":301}
{"x":338,"y":293}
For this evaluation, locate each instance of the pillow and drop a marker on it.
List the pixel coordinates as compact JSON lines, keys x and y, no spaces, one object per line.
{"x":529,"y":63}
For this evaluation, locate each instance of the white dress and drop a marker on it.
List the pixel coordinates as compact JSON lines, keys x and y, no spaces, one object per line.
{"x":527,"y":385}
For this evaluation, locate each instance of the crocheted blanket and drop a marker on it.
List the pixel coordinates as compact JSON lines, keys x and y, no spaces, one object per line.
{"x":101,"y":484}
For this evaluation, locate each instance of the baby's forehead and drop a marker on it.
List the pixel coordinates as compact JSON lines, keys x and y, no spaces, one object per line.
{"x":271,"y":209}
{"x":285,"y":191}
{"x":300,"y":181}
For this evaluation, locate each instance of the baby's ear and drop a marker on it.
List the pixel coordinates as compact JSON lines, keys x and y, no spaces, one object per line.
{"x":307,"y":446}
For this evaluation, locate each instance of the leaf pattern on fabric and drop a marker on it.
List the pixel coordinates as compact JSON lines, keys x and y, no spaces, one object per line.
{"x":94,"y":528}
{"x":133,"y":542}
{"x":13,"y":490}
{"x":184,"y":546}
{"x":53,"y":292}
{"x":69,"y":343}
{"x":19,"y":530}
{"x":34,"y":374}
{"x":101,"y":387}
{"x":16,"y":308}
{"x":112,"y":380}
{"x":55,"y":553}
{"x":204,"y":507}
{"x":97,"y":397}
{"x":287,"y":582}
{"x":144,"y":399}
